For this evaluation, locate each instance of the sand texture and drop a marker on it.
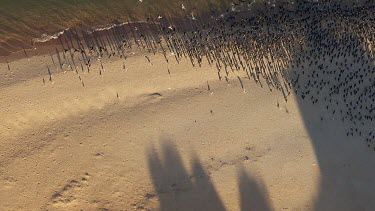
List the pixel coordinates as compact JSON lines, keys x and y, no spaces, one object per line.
{"x":266,"y":110}
{"x":141,"y":139}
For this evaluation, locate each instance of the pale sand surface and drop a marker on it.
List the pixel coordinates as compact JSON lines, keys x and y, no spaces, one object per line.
{"x":167,"y":142}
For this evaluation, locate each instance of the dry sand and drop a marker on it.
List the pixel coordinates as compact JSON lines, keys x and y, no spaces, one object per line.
{"x":139,"y":139}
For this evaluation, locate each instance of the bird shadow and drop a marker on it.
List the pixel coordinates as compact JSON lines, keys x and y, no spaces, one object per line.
{"x":178,"y":190}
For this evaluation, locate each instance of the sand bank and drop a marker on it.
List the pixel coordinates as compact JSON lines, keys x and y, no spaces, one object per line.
{"x":140,"y":139}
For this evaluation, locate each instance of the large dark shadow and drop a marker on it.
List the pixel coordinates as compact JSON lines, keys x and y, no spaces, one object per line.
{"x":345,"y":159}
{"x":179,"y":190}
{"x":253,"y":195}
{"x":329,"y":65}
{"x":333,"y":79}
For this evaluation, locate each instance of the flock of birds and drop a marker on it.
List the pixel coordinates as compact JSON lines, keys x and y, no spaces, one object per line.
{"x":322,"y":51}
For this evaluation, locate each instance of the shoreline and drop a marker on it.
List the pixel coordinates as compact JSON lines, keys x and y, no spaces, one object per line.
{"x":36,"y":47}
{"x":268,"y":112}
{"x":15,"y":37}
{"x":52,"y":40}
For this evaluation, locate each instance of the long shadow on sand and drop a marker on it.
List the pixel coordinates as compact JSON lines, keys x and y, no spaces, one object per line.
{"x":333,"y":79}
{"x":338,"y":80}
{"x":346,"y":163}
{"x":179,"y":190}
{"x":252,"y":194}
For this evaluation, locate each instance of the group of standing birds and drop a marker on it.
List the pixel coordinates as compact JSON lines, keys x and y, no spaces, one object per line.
{"x":322,"y":51}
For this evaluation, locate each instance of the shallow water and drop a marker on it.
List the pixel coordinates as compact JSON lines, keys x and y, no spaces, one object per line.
{"x":23,"y":20}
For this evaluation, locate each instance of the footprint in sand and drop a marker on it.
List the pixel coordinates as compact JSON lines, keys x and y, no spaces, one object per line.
{"x":68,"y":193}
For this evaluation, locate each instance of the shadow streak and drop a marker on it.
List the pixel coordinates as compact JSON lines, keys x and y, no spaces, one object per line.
{"x":179,"y":190}
{"x":333,"y":79}
{"x":253,"y":195}
{"x":175,"y":188}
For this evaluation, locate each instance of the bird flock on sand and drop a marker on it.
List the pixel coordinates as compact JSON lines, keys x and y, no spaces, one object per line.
{"x":320,"y":50}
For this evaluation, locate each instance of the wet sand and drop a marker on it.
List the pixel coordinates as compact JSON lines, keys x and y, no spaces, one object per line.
{"x":25,"y":21}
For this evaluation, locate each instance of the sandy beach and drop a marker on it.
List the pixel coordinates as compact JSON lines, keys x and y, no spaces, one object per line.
{"x":141,"y":139}
{"x":271,"y":110}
